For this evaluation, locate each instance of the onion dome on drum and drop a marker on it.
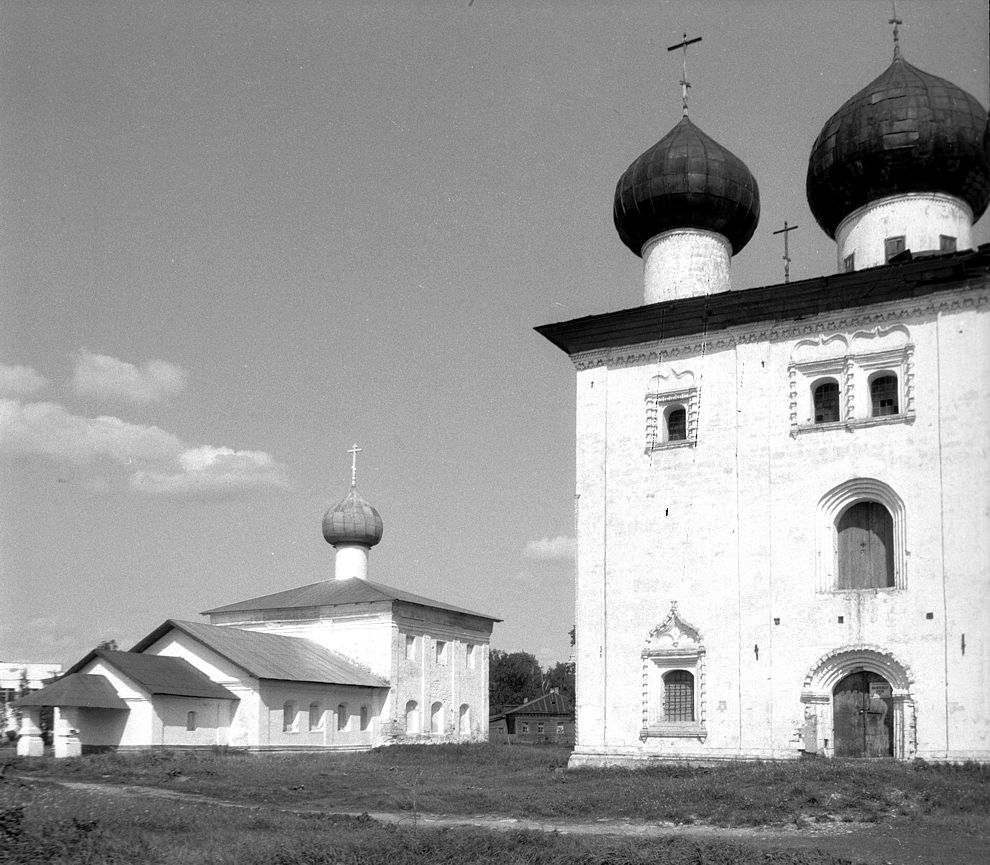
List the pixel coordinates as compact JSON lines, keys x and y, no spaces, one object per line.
{"x":686,"y":180}
{"x":353,"y":521}
{"x":905,"y":132}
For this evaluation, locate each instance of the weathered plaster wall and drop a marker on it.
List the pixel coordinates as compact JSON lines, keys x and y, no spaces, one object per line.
{"x":729,"y":529}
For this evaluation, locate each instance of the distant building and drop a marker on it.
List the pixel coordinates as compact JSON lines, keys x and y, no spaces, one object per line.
{"x":547,"y":719}
{"x":344,"y":664}
{"x":14,"y":679}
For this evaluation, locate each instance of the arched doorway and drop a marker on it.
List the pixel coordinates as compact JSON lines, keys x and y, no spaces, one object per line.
{"x":863,"y":716}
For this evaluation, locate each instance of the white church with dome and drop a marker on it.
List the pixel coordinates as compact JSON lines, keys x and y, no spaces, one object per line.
{"x":342,"y":664}
{"x":782,"y":491}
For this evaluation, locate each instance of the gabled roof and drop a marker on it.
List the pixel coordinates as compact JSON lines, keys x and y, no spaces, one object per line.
{"x":76,"y":689}
{"x":159,"y":674}
{"x":329,"y":593}
{"x":548,"y":704}
{"x":271,"y":656}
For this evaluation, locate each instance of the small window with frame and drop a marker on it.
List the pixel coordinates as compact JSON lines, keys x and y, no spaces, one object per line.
{"x":849,"y":263}
{"x":883,"y":395}
{"x":946,"y":243}
{"x":190,"y":721}
{"x":893,"y":246}
{"x":825,"y":396}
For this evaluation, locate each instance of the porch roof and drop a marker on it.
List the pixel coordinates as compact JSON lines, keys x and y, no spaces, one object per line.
{"x":86,"y":690}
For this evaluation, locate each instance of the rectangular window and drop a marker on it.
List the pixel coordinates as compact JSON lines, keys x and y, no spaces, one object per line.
{"x":441,"y":650}
{"x":560,"y":729}
{"x":893,"y":246}
{"x":315,"y":716}
{"x":410,"y":648}
{"x":525,"y":727}
{"x":678,"y":696}
{"x":946,"y":243}
{"x":469,"y":656}
{"x":190,"y":721}
{"x":849,"y":263}
{"x":541,"y":728}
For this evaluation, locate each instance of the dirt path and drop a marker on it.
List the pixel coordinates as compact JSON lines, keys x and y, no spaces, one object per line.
{"x":864,"y":842}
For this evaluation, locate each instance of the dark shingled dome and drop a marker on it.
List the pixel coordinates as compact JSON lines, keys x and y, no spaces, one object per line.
{"x":686,"y":180}
{"x":353,"y":521}
{"x":907,"y":131}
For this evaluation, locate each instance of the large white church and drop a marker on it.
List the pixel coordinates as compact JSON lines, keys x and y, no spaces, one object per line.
{"x":341,"y":664}
{"x":782,"y":492}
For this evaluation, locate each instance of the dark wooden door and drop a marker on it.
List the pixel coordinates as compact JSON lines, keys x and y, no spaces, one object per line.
{"x":866,"y":542}
{"x":862,"y":716}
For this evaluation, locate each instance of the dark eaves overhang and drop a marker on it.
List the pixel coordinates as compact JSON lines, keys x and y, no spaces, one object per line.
{"x":906,"y":277}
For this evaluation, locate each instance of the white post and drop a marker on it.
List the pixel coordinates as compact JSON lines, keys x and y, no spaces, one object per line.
{"x":30,"y":743}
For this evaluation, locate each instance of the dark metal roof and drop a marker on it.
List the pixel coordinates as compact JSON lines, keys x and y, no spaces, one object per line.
{"x":548,"y":704}
{"x":353,"y":521}
{"x":686,"y":180}
{"x":76,"y":689}
{"x":271,"y":656}
{"x":782,"y":302}
{"x":159,"y":674}
{"x":906,"y":131}
{"x":330,"y":593}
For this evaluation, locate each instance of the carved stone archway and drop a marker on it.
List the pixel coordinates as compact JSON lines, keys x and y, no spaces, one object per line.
{"x":829,"y":670}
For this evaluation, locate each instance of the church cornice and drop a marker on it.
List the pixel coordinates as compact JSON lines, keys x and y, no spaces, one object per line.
{"x":970,"y":295}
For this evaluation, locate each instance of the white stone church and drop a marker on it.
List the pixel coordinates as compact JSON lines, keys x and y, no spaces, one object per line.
{"x":782,"y":491}
{"x":342,"y":664}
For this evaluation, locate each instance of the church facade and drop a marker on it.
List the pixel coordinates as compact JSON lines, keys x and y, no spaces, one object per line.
{"x":782,"y":492}
{"x":342,"y":664}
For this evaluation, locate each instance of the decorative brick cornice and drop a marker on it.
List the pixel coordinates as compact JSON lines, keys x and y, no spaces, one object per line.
{"x":967,"y":296}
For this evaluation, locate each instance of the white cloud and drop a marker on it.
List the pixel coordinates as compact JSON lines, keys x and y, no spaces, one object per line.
{"x":105,"y":377}
{"x":20,"y":380}
{"x":156,"y":461}
{"x":559,"y":549}
{"x":209,"y":472}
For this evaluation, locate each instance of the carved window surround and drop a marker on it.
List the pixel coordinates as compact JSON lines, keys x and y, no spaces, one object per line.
{"x":851,"y":363}
{"x":672,"y":645}
{"x":667,"y":389}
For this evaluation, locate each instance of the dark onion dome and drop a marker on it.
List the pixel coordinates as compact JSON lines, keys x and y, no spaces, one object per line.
{"x":353,"y":521}
{"x":686,"y":180}
{"x":907,"y":131}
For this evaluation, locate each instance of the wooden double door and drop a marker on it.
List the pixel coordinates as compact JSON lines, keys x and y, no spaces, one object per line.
{"x":863,"y":716}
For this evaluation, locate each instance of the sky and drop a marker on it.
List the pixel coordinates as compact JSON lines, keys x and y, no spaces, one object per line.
{"x":237,"y":237}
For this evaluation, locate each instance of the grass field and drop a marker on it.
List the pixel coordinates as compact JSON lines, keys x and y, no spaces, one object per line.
{"x":52,"y":824}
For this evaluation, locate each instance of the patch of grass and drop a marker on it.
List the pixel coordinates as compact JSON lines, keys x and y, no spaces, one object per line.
{"x":119,"y":830}
{"x":532,"y":782}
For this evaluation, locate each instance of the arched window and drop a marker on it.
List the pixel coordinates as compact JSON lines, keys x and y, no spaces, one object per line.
{"x":676,"y":419}
{"x":412,"y":717}
{"x":315,"y":716}
{"x":436,"y":719}
{"x":678,"y":696}
{"x":365,"y":717}
{"x":883,"y":395}
{"x":866,"y":545}
{"x":464,"y":724}
{"x":190,"y":721}
{"x":289,"y":717}
{"x":826,"y":397}
{"x":342,"y":716}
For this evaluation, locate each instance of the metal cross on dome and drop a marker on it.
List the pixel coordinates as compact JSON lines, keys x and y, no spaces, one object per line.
{"x":787,"y":229}
{"x":354,"y":451}
{"x":685,"y":84}
{"x":896,"y":22}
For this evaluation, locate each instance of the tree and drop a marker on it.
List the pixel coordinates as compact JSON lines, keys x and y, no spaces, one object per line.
{"x":561,"y":677}
{"x":513,"y":678}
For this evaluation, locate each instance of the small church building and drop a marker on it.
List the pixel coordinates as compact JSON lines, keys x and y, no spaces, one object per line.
{"x":782,"y":492}
{"x":343,"y":664}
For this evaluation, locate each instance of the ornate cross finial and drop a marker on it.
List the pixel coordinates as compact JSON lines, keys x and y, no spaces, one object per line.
{"x":787,"y":258}
{"x":685,"y":84}
{"x":354,"y":451}
{"x":895,"y":21}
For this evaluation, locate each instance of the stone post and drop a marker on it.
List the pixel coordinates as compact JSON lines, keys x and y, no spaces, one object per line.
{"x":30,"y":743}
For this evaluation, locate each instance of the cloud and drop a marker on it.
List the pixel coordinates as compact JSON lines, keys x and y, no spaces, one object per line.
{"x":105,"y":377}
{"x":559,"y":549}
{"x":209,"y":472}
{"x":20,"y":380}
{"x":155,"y":461}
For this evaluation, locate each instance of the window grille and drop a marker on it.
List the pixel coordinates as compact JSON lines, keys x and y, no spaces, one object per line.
{"x":676,"y":425}
{"x":883,"y":394}
{"x":827,"y":402}
{"x":678,"y":696}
